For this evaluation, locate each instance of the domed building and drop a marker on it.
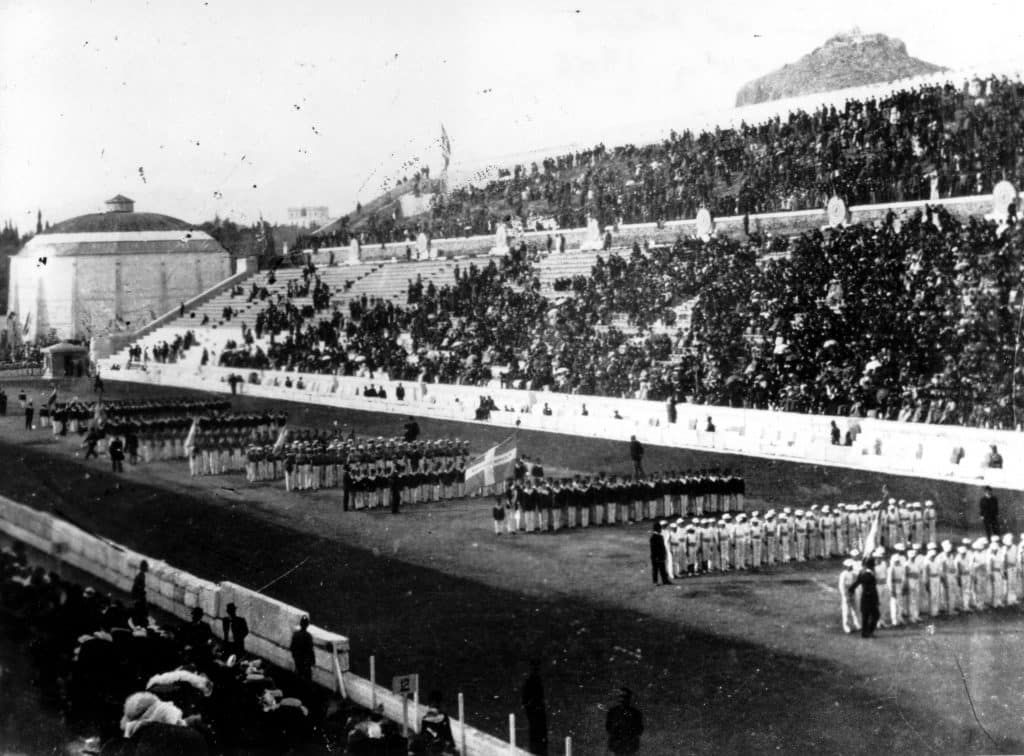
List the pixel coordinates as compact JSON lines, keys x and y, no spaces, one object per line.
{"x":110,"y":271}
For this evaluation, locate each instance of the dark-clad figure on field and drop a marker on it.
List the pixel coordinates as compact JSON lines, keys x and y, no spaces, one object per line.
{"x":658,"y":556}
{"x":869,"y":608}
{"x":197,"y":635}
{"x":139,"y":585}
{"x":395,"y":490}
{"x":235,"y":631}
{"x":302,"y":650}
{"x":989,"y":507}
{"x":436,"y":728}
{"x":636,"y":453}
{"x":625,"y":725}
{"x":116,"y":451}
{"x":412,"y":431}
{"x":3,"y":402}
{"x":131,"y":446}
{"x":92,"y":437}
{"x":536,"y":710}
{"x":30,"y":411}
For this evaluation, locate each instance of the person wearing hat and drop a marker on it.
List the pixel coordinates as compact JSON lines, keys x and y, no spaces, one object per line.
{"x":757,"y":536}
{"x":846,"y":580}
{"x":988,"y":507}
{"x":802,"y":527}
{"x":842,"y":523}
{"x":965,"y":576}
{"x":658,"y":555}
{"x":771,"y":539}
{"x":235,"y":630}
{"x":1012,"y":559}
{"x":675,"y":548}
{"x":867,"y":582}
{"x":881,"y":582}
{"x":891,"y":518}
{"x":785,"y":537}
{"x":997,"y":571}
{"x":829,"y":528}
{"x":915,"y":573}
{"x":301,"y":648}
{"x":436,"y":727}
{"x":896,"y":582}
{"x":930,"y":517}
{"x":981,"y":580}
{"x":741,"y":542}
{"x":933,"y":567}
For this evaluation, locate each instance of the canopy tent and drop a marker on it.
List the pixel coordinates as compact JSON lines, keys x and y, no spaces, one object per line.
{"x":65,"y":360}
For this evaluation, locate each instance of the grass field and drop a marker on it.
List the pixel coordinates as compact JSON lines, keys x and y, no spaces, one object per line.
{"x":735,"y":663}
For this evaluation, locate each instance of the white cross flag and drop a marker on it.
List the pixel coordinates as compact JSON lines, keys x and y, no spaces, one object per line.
{"x":494,"y":465}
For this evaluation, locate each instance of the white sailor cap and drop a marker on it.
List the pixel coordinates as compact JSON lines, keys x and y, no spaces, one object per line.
{"x":1008,"y":539}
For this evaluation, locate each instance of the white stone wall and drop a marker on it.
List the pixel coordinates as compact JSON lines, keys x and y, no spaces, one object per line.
{"x":81,"y":296}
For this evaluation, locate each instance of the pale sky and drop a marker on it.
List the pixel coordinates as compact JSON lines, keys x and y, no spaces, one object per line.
{"x":246,"y":107}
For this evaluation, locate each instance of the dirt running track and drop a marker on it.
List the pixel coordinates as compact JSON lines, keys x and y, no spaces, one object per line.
{"x":742,"y":663}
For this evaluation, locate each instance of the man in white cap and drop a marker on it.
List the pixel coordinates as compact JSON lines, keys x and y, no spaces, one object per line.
{"x":802,"y":527}
{"x":891,"y":520}
{"x":1012,"y":557}
{"x":935,"y":568}
{"x":915,"y":573}
{"x":675,"y":548}
{"x":741,"y":533}
{"x":757,"y":531}
{"x":896,"y":582}
{"x":708,"y":545}
{"x":842,"y":520}
{"x":950,"y":584}
{"x":881,"y":570}
{"x":997,"y":570}
{"x":981,"y":580}
{"x":847,"y":610}
{"x":916,"y":526}
{"x":691,"y":547}
{"x":829,"y":528}
{"x":931,"y":518}
{"x":785,"y":537}
{"x":725,"y":542}
{"x":965,"y":576}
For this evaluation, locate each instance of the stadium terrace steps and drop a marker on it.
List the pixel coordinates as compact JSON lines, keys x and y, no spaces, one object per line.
{"x":390,"y":282}
{"x":570,"y":264}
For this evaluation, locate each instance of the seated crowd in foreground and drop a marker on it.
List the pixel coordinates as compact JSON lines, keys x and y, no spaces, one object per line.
{"x":129,"y":685}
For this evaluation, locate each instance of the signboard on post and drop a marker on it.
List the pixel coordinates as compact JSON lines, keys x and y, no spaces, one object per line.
{"x":405,"y":685}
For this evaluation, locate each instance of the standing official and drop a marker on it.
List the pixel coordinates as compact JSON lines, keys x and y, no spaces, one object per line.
{"x":658,"y":556}
{"x":868,"y":585}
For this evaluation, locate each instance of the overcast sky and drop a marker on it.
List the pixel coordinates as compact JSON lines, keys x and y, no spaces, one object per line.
{"x":240,"y":108}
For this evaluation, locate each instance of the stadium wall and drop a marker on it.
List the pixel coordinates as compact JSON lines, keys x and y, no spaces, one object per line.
{"x":271,"y":622}
{"x":792,"y":222}
{"x":913,"y":449}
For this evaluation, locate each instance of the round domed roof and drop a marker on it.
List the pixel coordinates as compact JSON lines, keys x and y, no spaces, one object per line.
{"x":118,"y":222}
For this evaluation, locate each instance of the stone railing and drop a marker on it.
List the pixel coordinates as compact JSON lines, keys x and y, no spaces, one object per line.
{"x":886,"y":446}
{"x":271,"y":622}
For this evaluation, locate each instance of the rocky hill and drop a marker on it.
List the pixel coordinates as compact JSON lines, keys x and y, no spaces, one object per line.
{"x":846,"y":60}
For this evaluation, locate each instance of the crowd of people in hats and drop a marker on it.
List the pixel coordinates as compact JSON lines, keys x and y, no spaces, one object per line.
{"x":912,"y":580}
{"x":133,"y":685}
{"x":534,"y":503}
{"x":698,"y":544}
{"x":937,"y":140}
{"x":807,"y":331}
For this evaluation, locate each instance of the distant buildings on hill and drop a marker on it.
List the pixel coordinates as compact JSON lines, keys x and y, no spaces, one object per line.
{"x":309,"y":216}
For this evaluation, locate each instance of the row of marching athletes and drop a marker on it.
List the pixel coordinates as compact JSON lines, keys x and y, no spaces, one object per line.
{"x":545,"y":504}
{"x":934,"y":580}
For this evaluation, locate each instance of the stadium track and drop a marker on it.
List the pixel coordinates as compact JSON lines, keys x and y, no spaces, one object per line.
{"x":736,"y":663}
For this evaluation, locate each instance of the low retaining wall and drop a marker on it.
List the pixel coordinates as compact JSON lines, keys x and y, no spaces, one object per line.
{"x":885,"y":446}
{"x":271,"y":622}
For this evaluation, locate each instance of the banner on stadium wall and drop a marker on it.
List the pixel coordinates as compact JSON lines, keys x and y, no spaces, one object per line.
{"x":494,"y":465}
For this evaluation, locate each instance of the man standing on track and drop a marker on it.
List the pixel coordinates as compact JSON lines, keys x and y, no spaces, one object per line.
{"x":868,"y":598}
{"x":636,"y":453}
{"x":658,"y":555}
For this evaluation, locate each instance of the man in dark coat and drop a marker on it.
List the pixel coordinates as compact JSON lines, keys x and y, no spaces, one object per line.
{"x":235,"y":631}
{"x":869,"y":610}
{"x":636,"y":453}
{"x":536,"y":710}
{"x":395,"y":490}
{"x":116,"y":451}
{"x":29,"y":413}
{"x":989,"y":506}
{"x":302,"y":650}
{"x":625,"y":725}
{"x":658,"y":556}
